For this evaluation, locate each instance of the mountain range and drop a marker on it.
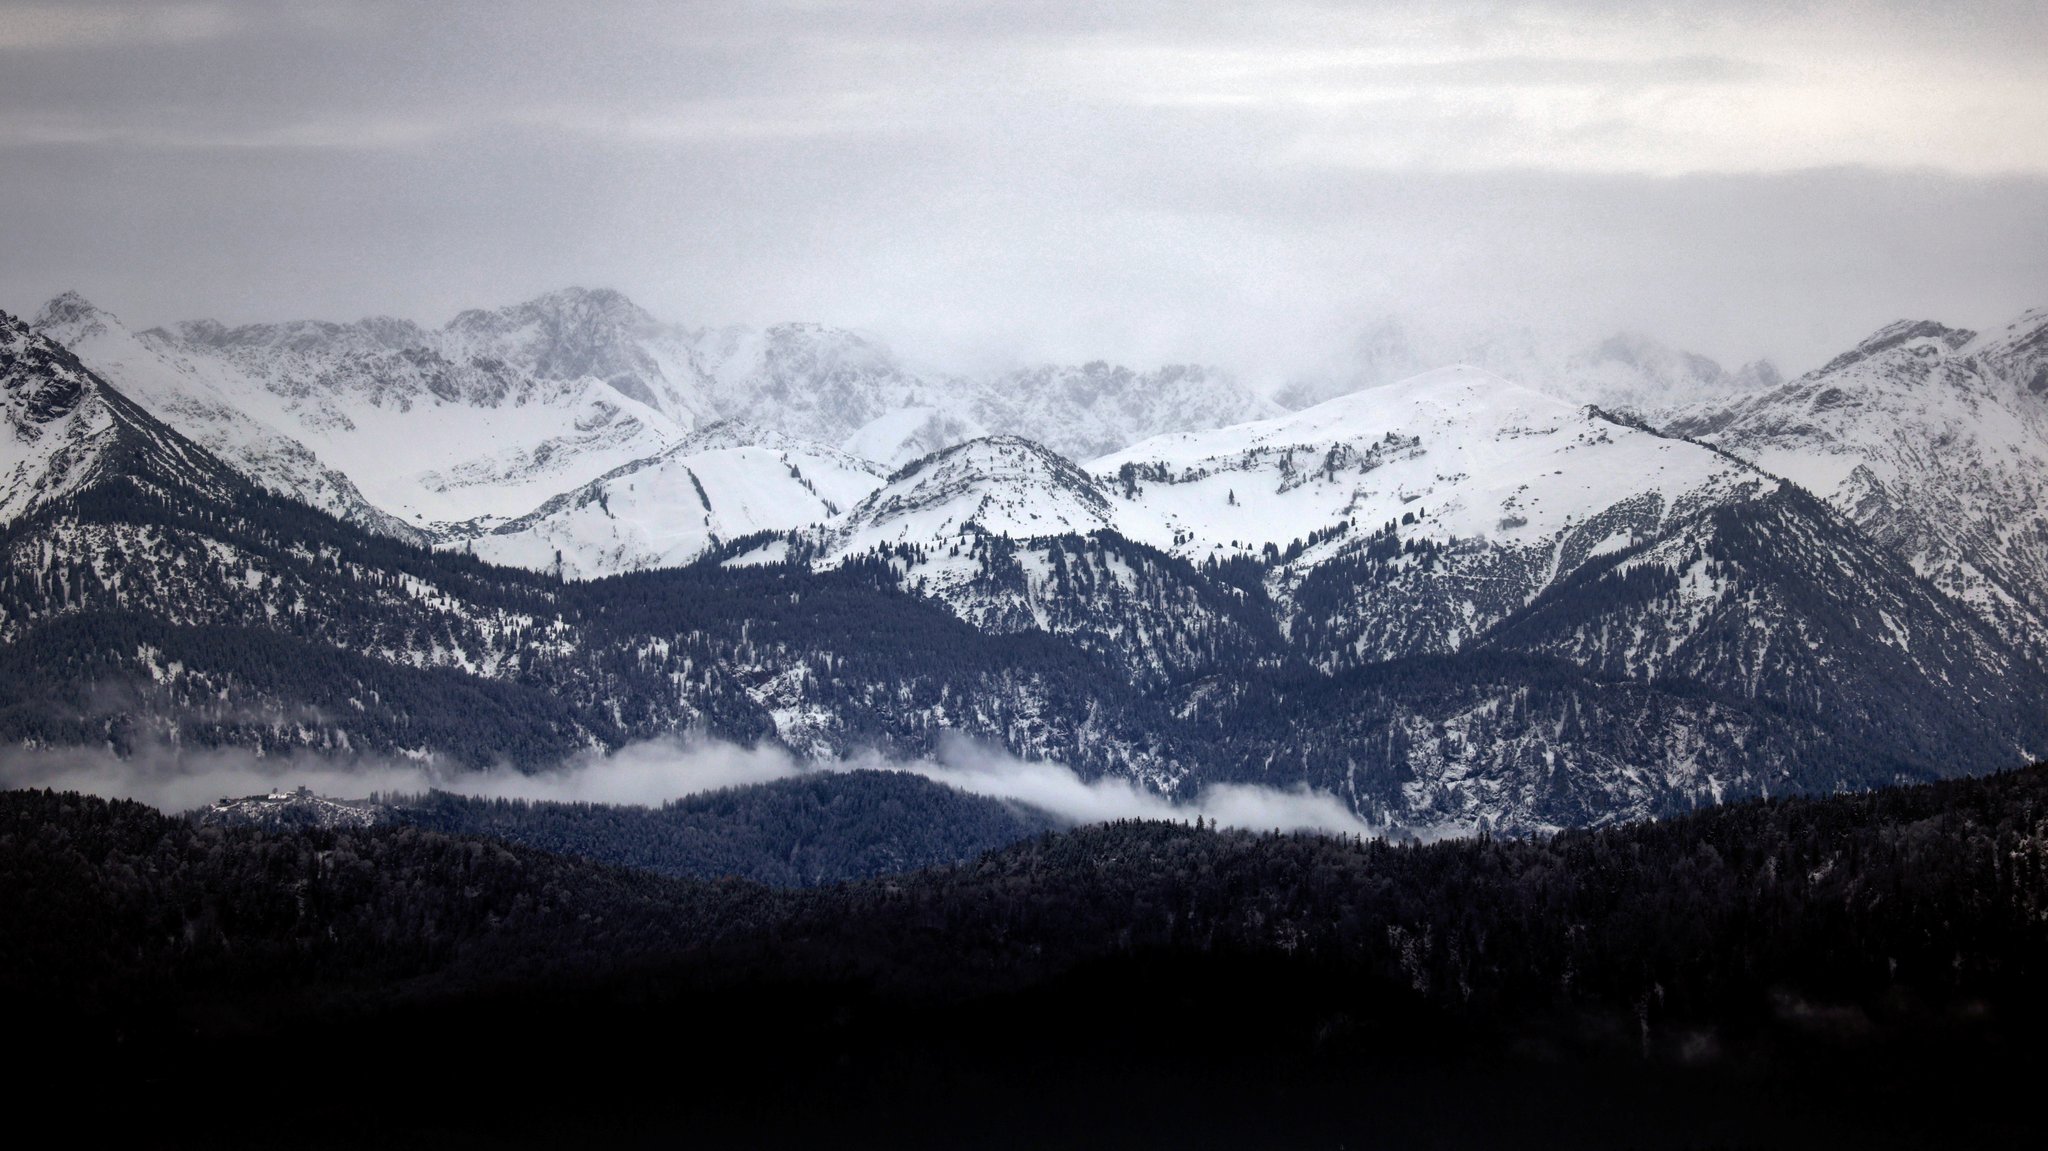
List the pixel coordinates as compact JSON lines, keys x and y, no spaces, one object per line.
{"x":1451,"y":601}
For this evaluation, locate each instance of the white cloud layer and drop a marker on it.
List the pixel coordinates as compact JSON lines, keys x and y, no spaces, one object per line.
{"x":653,"y":772}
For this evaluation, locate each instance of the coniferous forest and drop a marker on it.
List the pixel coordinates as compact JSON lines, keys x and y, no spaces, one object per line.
{"x":801,"y":832}
{"x":1855,"y":970}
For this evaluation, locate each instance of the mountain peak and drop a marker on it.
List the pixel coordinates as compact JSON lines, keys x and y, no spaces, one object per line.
{"x":604,"y":301}
{"x":63,"y":429}
{"x":570,"y":334}
{"x":1899,"y":333}
{"x":812,"y":338}
{"x":70,"y":312}
{"x":996,"y":485}
{"x":574,"y":304}
{"x":1006,"y":453}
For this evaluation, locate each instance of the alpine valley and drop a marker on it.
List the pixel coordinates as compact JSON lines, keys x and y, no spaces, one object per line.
{"x":1452,"y":601}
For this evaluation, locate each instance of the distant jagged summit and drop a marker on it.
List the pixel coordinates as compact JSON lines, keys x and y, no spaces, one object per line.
{"x":576,"y":333}
{"x":435,"y":434}
{"x":68,"y":313}
{"x":1900,"y":333}
{"x":63,"y":431}
{"x":1934,"y":439}
{"x":564,"y":305}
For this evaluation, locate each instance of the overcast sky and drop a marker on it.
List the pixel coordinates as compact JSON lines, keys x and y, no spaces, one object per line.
{"x":1242,"y":183}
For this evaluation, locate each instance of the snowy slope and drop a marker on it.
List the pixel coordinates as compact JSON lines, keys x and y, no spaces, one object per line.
{"x":719,"y":483}
{"x":902,"y":435}
{"x":424,"y":435}
{"x":1932,"y":439}
{"x":62,"y":431}
{"x":1470,"y":455}
{"x":999,"y":486}
{"x":211,"y":410}
{"x":1412,"y":518}
{"x":371,"y":417}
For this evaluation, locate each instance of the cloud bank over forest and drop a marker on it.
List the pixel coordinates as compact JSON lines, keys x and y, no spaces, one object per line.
{"x":653,"y":772}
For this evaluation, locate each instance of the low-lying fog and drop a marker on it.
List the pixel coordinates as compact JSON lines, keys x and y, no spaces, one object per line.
{"x":656,"y":771}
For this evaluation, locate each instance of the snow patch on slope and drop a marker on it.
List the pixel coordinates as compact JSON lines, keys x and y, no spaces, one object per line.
{"x":718,"y":484}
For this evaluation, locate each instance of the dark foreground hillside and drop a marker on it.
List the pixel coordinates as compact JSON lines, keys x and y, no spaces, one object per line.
{"x":1855,"y":971}
{"x":820,"y":828}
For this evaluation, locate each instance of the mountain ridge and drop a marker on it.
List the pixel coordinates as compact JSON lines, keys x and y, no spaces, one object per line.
{"x":1933,"y":439}
{"x":1434,"y":665}
{"x":530,"y":401}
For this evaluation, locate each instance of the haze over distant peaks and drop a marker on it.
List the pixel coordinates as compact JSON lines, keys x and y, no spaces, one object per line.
{"x":1627,"y":370}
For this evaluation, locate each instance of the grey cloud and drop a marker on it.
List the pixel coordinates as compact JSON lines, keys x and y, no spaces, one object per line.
{"x":1003,"y":181}
{"x":1541,"y":71}
{"x":68,"y":27}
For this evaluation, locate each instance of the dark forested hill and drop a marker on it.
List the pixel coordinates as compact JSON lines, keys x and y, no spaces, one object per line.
{"x":822,"y":828}
{"x":1862,"y":970}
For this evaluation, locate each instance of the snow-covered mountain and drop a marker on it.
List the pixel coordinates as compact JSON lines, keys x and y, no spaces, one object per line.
{"x":718,"y":483}
{"x":1933,"y":440}
{"x":1478,"y":493}
{"x":833,"y":387}
{"x":1449,"y":513}
{"x":512,"y":413}
{"x":1470,"y":454}
{"x":62,"y":431}
{"x":1451,"y":602}
{"x":371,"y":420}
{"x":580,"y":334}
{"x":838,"y":387}
{"x":215,"y":409}
{"x":1412,"y":518}
{"x":1000,"y":485}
